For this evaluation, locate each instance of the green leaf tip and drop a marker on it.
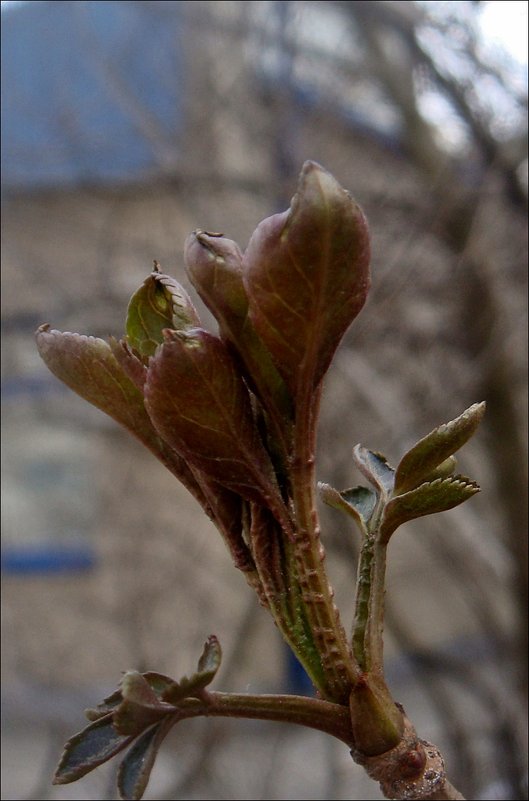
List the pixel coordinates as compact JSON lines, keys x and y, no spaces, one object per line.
{"x":435,"y":448}
{"x":160,"y":302}
{"x":209,"y":661}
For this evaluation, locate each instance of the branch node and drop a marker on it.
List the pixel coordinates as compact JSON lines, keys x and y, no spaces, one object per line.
{"x":411,"y":771}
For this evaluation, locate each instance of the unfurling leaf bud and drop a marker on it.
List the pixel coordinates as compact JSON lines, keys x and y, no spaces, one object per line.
{"x":214,"y":266}
{"x":193,"y":686}
{"x":140,"y":707}
{"x":306,"y":272}
{"x":159,"y":303}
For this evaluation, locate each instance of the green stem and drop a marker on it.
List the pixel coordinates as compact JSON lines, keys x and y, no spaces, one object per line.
{"x":324,"y":716}
{"x":376,"y":720}
{"x":362,"y":604}
{"x":375,"y":625}
{"x":316,"y":593}
{"x":368,"y":626}
{"x":280,"y":588}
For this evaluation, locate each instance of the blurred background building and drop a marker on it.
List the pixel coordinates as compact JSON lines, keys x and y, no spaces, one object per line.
{"x":125,"y":126}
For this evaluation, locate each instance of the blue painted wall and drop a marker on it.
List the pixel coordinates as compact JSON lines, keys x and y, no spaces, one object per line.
{"x":81,"y":83}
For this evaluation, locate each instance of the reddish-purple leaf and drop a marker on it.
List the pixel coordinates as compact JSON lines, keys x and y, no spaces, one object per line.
{"x":268,"y":548}
{"x":199,"y":404}
{"x":307,"y":276}
{"x":227,"y":513}
{"x":88,"y":366}
{"x":214,"y":265}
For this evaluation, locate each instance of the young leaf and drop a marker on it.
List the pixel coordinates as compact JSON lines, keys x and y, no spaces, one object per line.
{"x":214,"y":265}
{"x":199,"y":405}
{"x":285,"y":592}
{"x":357,"y":502}
{"x":209,"y":661}
{"x":135,"y":769}
{"x":307,"y":275}
{"x":88,"y":366}
{"x":92,"y":746}
{"x":189,"y":687}
{"x":426,"y":499}
{"x":375,"y":468}
{"x":227,"y":513}
{"x":159,"y":303}
{"x":427,"y":454}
